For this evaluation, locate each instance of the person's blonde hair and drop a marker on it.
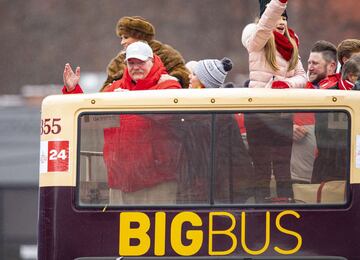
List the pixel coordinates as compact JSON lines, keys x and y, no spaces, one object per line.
{"x":270,"y":52}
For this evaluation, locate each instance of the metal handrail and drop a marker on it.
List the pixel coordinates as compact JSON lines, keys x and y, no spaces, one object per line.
{"x":88,"y":155}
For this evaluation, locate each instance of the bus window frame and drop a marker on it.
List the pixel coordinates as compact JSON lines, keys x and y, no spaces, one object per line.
{"x":194,"y":206}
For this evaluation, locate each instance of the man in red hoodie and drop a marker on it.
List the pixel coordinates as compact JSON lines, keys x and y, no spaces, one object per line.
{"x":330,"y":161}
{"x":141,"y":155}
{"x":144,"y":71}
{"x":322,"y":64}
{"x":321,"y":75}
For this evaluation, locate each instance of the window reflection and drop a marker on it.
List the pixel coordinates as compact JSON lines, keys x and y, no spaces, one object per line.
{"x":213,"y":158}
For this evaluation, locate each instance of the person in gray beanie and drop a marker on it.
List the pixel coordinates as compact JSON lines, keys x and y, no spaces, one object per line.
{"x":210,"y":73}
{"x":236,"y":186}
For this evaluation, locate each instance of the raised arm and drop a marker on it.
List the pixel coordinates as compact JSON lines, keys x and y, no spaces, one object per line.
{"x":255,"y":36}
{"x":71,"y":78}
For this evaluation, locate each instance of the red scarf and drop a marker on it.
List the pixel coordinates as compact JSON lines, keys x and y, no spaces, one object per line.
{"x":330,"y":82}
{"x":345,"y":84}
{"x":283,"y":44}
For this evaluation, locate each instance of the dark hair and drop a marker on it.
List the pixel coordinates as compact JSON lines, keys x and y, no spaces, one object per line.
{"x":327,"y":49}
{"x":352,"y":66}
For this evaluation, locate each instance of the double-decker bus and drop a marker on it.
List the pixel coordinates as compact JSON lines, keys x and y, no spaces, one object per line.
{"x":167,"y":174}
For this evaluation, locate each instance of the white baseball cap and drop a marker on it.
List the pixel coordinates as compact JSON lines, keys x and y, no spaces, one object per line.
{"x":139,"y":50}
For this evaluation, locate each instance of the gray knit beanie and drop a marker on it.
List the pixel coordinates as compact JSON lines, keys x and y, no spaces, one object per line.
{"x":212,"y":73}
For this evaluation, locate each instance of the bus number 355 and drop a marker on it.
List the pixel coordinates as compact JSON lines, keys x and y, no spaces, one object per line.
{"x":50,"y":125}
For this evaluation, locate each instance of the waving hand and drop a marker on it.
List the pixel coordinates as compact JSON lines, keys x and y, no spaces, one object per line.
{"x":70,"y":78}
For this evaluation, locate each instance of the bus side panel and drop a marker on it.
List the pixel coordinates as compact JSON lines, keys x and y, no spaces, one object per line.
{"x":67,"y":233}
{"x":46,"y":243}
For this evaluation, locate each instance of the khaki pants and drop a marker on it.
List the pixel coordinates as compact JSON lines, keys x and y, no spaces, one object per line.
{"x":303,"y":156}
{"x":163,"y":193}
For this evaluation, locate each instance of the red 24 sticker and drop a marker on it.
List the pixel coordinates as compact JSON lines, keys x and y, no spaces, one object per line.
{"x":58,"y":156}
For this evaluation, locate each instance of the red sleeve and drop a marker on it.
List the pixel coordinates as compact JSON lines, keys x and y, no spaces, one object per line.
{"x":76,"y":90}
{"x":309,"y":85}
{"x":239,"y":117}
{"x":278,"y":84}
{"x":304,"y":118}
{"x":111,"y":87}
{"x":283,"y":1}
{"x":168,"y":84}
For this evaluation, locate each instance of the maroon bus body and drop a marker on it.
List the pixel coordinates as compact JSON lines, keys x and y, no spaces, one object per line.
{"x":67,"y":233}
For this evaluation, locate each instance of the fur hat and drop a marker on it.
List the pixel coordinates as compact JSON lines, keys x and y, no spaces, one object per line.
{"x":264,"y":3}
{"x":136,"y":27}
{"x":212,"y":73}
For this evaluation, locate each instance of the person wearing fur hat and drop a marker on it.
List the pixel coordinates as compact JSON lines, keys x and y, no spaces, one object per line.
{"x":136,"y":28}
{"x":273,"y":63}
{"x":209,"y":73}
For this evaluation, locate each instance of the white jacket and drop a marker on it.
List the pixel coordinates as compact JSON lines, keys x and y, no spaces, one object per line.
{"x":254,"y":38}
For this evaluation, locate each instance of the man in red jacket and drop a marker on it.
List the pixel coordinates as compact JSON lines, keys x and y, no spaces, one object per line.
{"x":322,"y":64}
{"x":330,"y":161}
{"x":321,"y":75}
{"x":144,"y":71}
{"x":142,"y":155}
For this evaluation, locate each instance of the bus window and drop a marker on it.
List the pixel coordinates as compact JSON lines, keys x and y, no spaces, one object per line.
{"x":93,"y":177}
{"x":330,"y":171}
{"x":208,"y":158}
{"x":233,"y":170}
{"x":145,"y":159}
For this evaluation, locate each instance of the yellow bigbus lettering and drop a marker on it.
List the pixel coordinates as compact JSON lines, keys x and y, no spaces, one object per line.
{"x":160,"y":224}
{"x":289,"y":232}
{"x":226,"y":232}
{"x":243,"y":235}
{"x":195,"y":236}
{"x":140,"y":233}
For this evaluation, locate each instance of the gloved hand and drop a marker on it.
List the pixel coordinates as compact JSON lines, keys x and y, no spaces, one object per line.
{"x":279,"y":84}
